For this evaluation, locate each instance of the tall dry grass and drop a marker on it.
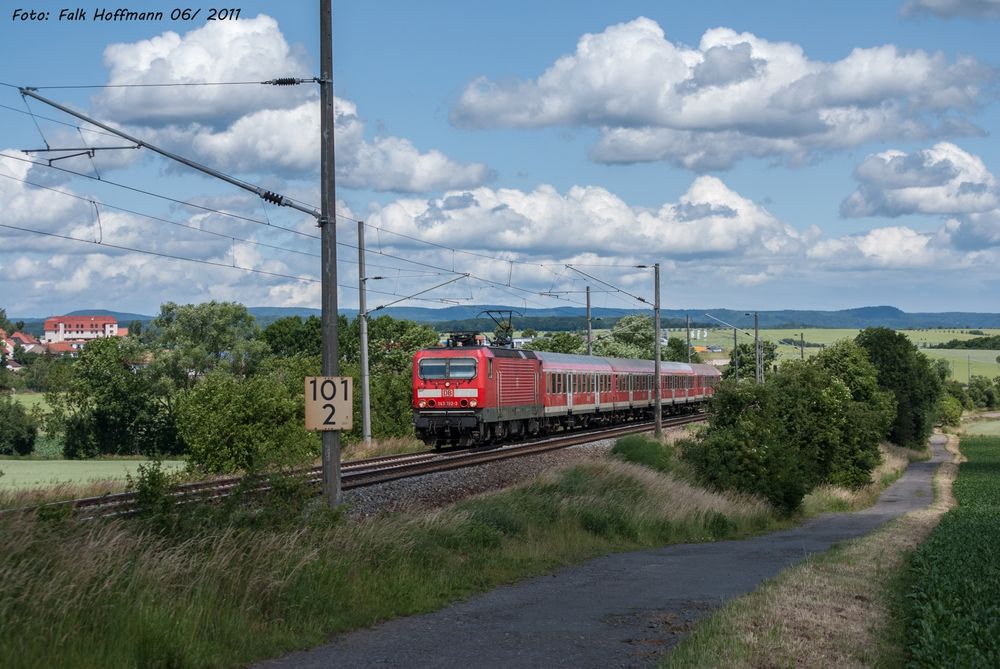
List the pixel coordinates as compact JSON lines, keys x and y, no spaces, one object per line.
{"x":129,"y":594}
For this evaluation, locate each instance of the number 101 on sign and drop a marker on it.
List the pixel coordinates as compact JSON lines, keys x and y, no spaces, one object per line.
{"x":329,"y":403}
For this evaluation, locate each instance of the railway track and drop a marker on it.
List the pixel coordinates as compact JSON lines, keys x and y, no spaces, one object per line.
{"x":354,"y":473}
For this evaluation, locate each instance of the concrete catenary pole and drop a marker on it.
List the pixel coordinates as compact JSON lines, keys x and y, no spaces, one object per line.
{"x":328,"y":244}
{"x":658,"y":410}
{"x":759,"y":373}
{"x":736,"y":358}
{"x":590,"y":329}
{"x":687,"y":324}
{"x":366,"y":408}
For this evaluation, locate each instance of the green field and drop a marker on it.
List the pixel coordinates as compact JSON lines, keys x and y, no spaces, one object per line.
{"x":24,"y":474}
{"x":31,"y":400}
{"x":979,"y":362}
{"x":951,"y":605}
{"x":988,"y":428}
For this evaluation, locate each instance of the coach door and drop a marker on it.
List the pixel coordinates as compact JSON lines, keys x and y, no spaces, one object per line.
{"x":569,"y":391}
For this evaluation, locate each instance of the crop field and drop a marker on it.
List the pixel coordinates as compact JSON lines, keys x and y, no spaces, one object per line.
{"x":951,"y":606}
{"x":25,"y":474}
{"x":966,"y":361}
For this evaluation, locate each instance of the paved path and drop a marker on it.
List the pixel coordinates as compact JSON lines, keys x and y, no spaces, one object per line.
{"x":620,"y":610}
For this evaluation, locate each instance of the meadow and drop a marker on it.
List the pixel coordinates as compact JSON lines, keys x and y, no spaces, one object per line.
{"x":21,"y":474}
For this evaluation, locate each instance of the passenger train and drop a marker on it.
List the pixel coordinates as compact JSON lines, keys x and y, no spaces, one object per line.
{"x":478,"y":394}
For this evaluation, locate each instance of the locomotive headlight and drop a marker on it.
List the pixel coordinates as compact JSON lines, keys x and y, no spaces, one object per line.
{"x":422,"y":404}
{"x":473,"y":403}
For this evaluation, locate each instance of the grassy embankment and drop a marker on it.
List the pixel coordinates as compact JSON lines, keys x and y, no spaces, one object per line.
{"x":129,"y":595}
{"x":836,"y":609}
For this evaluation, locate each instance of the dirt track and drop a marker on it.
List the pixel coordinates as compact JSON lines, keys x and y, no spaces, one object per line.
{"x":621,"y":610}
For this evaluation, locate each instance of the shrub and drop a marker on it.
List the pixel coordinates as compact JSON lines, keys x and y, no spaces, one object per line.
{"x":644,"y":451}
{"x":949,"y":410}
{"x":18,"y":429}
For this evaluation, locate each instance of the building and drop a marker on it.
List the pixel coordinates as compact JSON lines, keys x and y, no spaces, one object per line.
{"x":75,"y":328}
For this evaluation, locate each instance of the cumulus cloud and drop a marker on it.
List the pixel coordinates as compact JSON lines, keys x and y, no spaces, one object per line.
{"x":892,"y":247}
{"x":735,"y":95}
{"x":708,"y":220}
{"x":259,"y":129}
{"x":943,"y":179}
{"x":220,"y":51}
{"x":979,"y":9}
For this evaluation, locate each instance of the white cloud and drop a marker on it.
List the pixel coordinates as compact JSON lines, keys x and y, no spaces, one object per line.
{"x":709,"y":219}
{"x":733,"y":96}
{"x":220,"y":51}
{"x":980,"y":9}
{"x":259,"y":129}
{"x":892,"y":247}
{"x":943,"y":179}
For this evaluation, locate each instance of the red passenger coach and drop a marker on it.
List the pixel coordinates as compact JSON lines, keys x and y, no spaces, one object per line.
{"x":478,"y":394}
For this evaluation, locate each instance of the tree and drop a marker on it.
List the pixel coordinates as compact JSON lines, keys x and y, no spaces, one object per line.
{"x":908,"y":374}
{"x":246,"y":424}
{"x":982,"y":393}
{"x":529,"y":332}
{"x":113,"y":405}
{"x":5,"y":324}
{"x":293,"y":336}
{"x":193,"y":339}
{"x":559,"y":342}
{"x":631,"y":337}
{"x":676,"y":350}
{"x":18,"y":429}
{"x":748,"y":360}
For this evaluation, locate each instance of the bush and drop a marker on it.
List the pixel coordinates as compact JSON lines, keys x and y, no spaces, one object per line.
{"x":232,"y":424}
{"x":18,"y":429}
{"x":644,"y":451}
{"x":949,"y":411}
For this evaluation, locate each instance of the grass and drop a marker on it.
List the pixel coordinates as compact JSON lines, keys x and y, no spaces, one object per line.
{"x":29,"y":400}
{"x":836,"y":499}
{"x":21,"y":474}
{"x":643,"y":450}
{"x":951,"y":605}
{"x":964,"y":361}
{"x":130,"y":596}
{"x":832,"y":610}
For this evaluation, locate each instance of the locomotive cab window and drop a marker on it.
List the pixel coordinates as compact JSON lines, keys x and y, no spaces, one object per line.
{"x":447,"y":368}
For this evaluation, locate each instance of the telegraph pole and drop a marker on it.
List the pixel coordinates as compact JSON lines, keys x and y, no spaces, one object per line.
{"x":658,"y":411}
{"x":328,"y":237}
{"x":736,"y":359}
{"x":590,"y":331}
{"x":366,"y":409}
{"x":802,"y":344}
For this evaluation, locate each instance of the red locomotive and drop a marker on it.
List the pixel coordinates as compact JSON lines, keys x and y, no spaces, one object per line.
{"x":477,"y":394}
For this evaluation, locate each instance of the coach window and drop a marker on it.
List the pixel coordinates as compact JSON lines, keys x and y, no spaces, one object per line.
{"x":489,"y":367}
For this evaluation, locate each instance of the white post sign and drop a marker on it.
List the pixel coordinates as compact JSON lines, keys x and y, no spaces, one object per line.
{"x":329,"y":403}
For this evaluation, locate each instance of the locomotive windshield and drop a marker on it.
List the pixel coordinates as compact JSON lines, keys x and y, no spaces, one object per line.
{"x":447,"y":368}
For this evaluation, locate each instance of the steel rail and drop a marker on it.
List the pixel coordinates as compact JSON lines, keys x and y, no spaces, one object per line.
{"x":355,"y":473}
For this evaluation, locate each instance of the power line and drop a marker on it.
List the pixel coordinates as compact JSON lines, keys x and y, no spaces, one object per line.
{"x":53,"y":120}
{"x":165,"y":85}
{"x":160,"y":254}
{"x":605,"y":283}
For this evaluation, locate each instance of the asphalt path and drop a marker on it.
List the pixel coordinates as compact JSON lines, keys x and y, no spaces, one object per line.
{"x":622,"y":610}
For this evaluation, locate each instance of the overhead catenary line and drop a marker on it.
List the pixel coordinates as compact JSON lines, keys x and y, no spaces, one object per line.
{"x":609,"y":285}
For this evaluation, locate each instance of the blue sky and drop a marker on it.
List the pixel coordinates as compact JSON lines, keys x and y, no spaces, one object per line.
{"x":768,"y":155}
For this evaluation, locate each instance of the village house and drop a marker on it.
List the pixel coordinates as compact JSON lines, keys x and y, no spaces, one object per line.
{"x":81,"y":328}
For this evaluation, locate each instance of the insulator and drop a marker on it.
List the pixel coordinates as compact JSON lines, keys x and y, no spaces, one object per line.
{"x":273,"y":198}
{"x":285,"y":81}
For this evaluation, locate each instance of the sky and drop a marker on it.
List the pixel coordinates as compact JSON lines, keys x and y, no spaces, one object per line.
{"x":777,"y":155}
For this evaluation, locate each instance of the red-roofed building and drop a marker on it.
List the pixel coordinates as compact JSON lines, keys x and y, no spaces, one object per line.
{"x":6,"y":343}
{"x":71,"y":348}
{"x":64,"y":328}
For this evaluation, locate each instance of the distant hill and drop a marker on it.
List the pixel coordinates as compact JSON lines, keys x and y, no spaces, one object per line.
{"x":571,"y":317}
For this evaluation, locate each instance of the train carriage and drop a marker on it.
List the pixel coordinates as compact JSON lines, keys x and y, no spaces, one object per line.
{"x":468,"y":395}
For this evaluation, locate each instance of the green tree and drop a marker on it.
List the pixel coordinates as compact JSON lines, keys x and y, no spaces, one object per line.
{"x":294,"y":336}
{"x":245,"y":424}
{"x":949,"y":410}
{"x":529,"y":332}
{"x":908,"y":374}
{"x":676,"y":350}
{"x":631,"y":337}
{"x":193,"y":339}
{"x":18,"y":429}
{"x":559,"y":342}
{"x":748,"y":360}
{"x":113,"y":405}
{"x":5,"y":324}
{"x":982,"y":393}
